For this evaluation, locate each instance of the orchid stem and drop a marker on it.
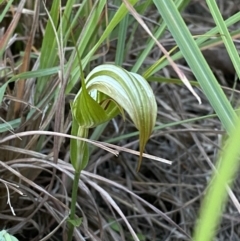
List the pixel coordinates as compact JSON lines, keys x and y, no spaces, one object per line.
{"x":73,"y":204}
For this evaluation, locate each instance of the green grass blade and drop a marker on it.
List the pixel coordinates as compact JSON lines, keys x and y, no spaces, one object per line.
{"x":10,"y":125}
{"x":73,"y":22}
{"x":197,"y":63}
{"x":49,"y":48}
{"x":122,"y":35}
{"x":27,"y":75}
{"x":49,"y":53}
{"x":119,"y":15}
{"x":159,"y":31}
{"x":82,"y":42}
{"x":90,"y":27}
{"x":202,"y":41}
{"x":4,"y":11}
{"x":215,"y":200}
{"x":226,"y":37}
{"x":11,"y":28}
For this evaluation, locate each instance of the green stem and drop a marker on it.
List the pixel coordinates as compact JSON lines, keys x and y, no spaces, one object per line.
{"x":73,"y":204}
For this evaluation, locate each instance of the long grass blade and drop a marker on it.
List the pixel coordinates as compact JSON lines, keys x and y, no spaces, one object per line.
{"x":197,"y":63}
{"x":158,"y":32}
{"x":216,"y":197}
{"x":226,"y":36}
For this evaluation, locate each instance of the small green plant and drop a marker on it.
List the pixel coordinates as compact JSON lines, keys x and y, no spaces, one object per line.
{"x":107,"y":91}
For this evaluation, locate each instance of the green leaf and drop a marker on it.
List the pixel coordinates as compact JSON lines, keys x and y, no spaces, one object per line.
{"x":87,"y":111}
{"x":114,"y":225}
{"x":75,"y":222}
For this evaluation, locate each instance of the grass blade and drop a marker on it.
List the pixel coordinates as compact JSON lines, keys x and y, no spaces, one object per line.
{"x":158,"y":33}
{"x":212,"y":206}
{"x":197,"y":63}
{"x":226,"y":37}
